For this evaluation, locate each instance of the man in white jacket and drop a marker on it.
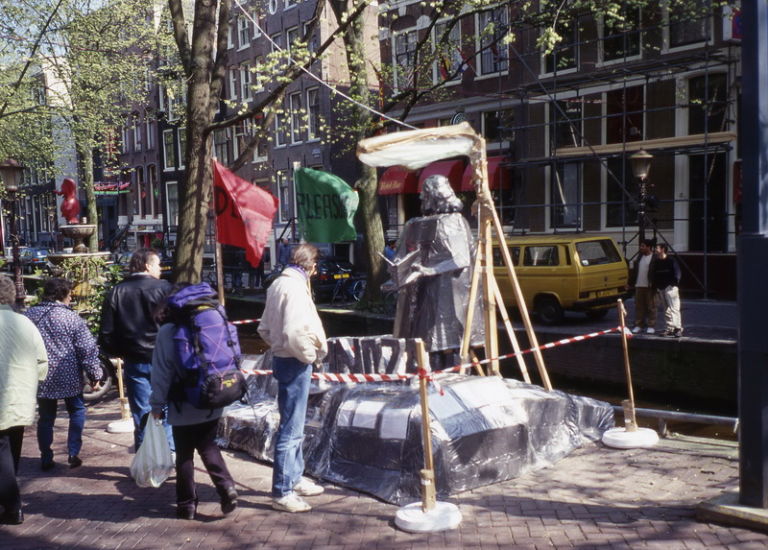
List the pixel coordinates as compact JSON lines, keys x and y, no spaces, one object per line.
{"x":292,"y":328}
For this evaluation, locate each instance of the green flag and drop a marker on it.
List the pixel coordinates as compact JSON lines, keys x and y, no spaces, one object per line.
{"x":326,"y":206}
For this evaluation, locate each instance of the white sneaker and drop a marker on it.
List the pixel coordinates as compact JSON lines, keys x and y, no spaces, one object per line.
{"x":636,"y":330}
{"x":290,"y":503}
{"x":308,"y":488}
{"x":650,"y":330}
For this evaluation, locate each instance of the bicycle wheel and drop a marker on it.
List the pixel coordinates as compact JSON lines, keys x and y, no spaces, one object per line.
{"x":357,"y":290}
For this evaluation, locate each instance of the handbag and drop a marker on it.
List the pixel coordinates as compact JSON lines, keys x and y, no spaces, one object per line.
{"x":153,"y":462}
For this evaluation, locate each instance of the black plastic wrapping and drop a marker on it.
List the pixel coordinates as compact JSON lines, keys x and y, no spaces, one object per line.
{"x":368,"y":436}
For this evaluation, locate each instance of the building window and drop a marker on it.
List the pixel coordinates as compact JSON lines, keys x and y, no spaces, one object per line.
{"x":272,"y":6}
{"x":566,"y":195}
{"x":243,"y":32}
{"x":497,"y":125}
{"x":624,"y":115}
{"x":126,"y":139}
{"x":493,"y":26}
{"x":230,"y":40}
{"x":707,"y":103}
{"x":565,"y":123}
{"x":243,"y":132}
{"x":220,"y":145}
{"x":172,"y":203}
{"x":261,"y":151}
{"x":404,"y":46}
{"x":136,"y":135}
{"x":233,"y":84}
{"x":154,"y":192}
{"x":311,"y":40}
{"x":256,"y":14}
{"x":285,"y":195}
{"x":297,"y":132}
{"x":282,"y":126}
{"x":182,"y":132}
{"x":245,"y":82}
{"x":565,"y":55}
{"x":620,"y":193}
{"x":621,"y":36}
{"x":449,"y":60}
{"x":313,"y":114}
{"x":150,"y":129}
{"x":688,"y":22}
{"x":169,"y":151}
{"x":291,"y":37}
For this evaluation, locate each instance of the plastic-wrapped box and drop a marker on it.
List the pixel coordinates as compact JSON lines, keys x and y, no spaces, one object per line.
{"x":368,"y":436}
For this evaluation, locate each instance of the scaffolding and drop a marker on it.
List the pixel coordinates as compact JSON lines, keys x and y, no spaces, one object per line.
{"x":576,"y":128}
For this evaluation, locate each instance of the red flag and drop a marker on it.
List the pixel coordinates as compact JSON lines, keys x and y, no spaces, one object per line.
{"x":244,"y":213}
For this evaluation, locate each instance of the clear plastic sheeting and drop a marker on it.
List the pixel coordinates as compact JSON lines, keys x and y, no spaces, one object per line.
{"x":368,"y":436}
{"x":417,"y":148}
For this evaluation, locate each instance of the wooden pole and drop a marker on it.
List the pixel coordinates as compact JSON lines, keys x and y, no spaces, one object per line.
{"x":124,"y":409}
{"x":428,"y":497}
{"x":520,"y":300}
{"x":511,"y":333}
{"x":465,"y":341}
{"x":630,"y":420}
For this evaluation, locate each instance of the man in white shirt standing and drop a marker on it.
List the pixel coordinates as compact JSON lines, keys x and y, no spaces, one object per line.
{"x":645,"y":296}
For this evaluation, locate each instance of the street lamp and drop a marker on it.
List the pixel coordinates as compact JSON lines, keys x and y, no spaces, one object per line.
{"x":11,"y":172}
{"x":641,"y":165}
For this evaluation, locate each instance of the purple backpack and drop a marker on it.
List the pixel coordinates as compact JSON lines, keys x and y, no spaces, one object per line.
{"x":207,"y":348}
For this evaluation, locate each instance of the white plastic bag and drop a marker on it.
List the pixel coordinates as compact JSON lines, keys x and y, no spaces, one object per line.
{"x":153,"y":462}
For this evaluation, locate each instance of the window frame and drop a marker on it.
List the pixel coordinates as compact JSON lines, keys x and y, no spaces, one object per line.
{"x":480,"y":56}
{"x":167,"y":166}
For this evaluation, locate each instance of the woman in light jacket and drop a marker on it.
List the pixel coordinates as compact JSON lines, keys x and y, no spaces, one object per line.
{"x":23,"y":363}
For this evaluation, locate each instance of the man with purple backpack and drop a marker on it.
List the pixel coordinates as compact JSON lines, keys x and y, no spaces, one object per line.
{"x":195,"y":374}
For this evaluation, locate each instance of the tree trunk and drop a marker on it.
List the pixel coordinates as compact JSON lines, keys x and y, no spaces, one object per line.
{"x":354,"y":42}
{"x":85,"y":153}
{"x":195,"y":194}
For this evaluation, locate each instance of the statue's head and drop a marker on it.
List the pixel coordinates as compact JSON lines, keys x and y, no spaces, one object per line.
{"x":437,"y":197}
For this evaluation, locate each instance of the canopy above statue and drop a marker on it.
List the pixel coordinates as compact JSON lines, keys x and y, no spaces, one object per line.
{"x":417,"y":148}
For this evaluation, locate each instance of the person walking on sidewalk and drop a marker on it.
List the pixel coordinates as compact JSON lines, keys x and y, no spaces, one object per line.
{"x":23,"y":363}
{"x":666,"y":280}
{"x":292,"y":328}
{"x":129,"y":330}
{"x":71,"y":350}
{"x":193,"y":428}
{"x":645,"y":296}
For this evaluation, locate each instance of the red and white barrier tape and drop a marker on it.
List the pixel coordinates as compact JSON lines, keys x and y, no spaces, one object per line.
{"x":245,"y":321}
{"x":358,"y":378}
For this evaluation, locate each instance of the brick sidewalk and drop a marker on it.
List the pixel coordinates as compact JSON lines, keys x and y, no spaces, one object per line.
{"x":595,"y":498}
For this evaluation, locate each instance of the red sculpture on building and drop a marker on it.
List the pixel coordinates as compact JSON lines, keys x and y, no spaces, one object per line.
{"x":70,"y":206}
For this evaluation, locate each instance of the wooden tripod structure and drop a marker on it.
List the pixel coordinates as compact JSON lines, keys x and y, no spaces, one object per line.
{"x":417,"y":148}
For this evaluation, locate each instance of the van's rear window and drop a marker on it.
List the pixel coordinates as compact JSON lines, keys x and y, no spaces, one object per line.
{"x":597,"y":252}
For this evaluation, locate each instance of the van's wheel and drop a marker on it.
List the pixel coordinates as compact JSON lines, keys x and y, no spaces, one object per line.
{"x":548,"y":310}
{"x":596,"y":314}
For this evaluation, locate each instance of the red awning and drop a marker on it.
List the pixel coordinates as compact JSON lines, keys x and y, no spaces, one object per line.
{"x":451,"y":169}
{"x":397,"y":179}
{"x":498,"y":175}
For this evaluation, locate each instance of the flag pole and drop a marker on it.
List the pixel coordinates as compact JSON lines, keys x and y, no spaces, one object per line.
{"x":217,"y":246}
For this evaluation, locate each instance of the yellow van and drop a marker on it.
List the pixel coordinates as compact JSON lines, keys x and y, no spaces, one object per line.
{"x":576,"y":272}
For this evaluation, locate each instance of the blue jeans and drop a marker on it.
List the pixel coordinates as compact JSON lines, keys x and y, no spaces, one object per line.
{"x":138,"y":386}
{"x":293,"y":380}
{"x":47,"y":409}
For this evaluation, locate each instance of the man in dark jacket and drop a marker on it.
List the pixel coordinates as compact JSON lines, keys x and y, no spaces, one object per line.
{"x":666,"y":281}
{"x":129,"y":330}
